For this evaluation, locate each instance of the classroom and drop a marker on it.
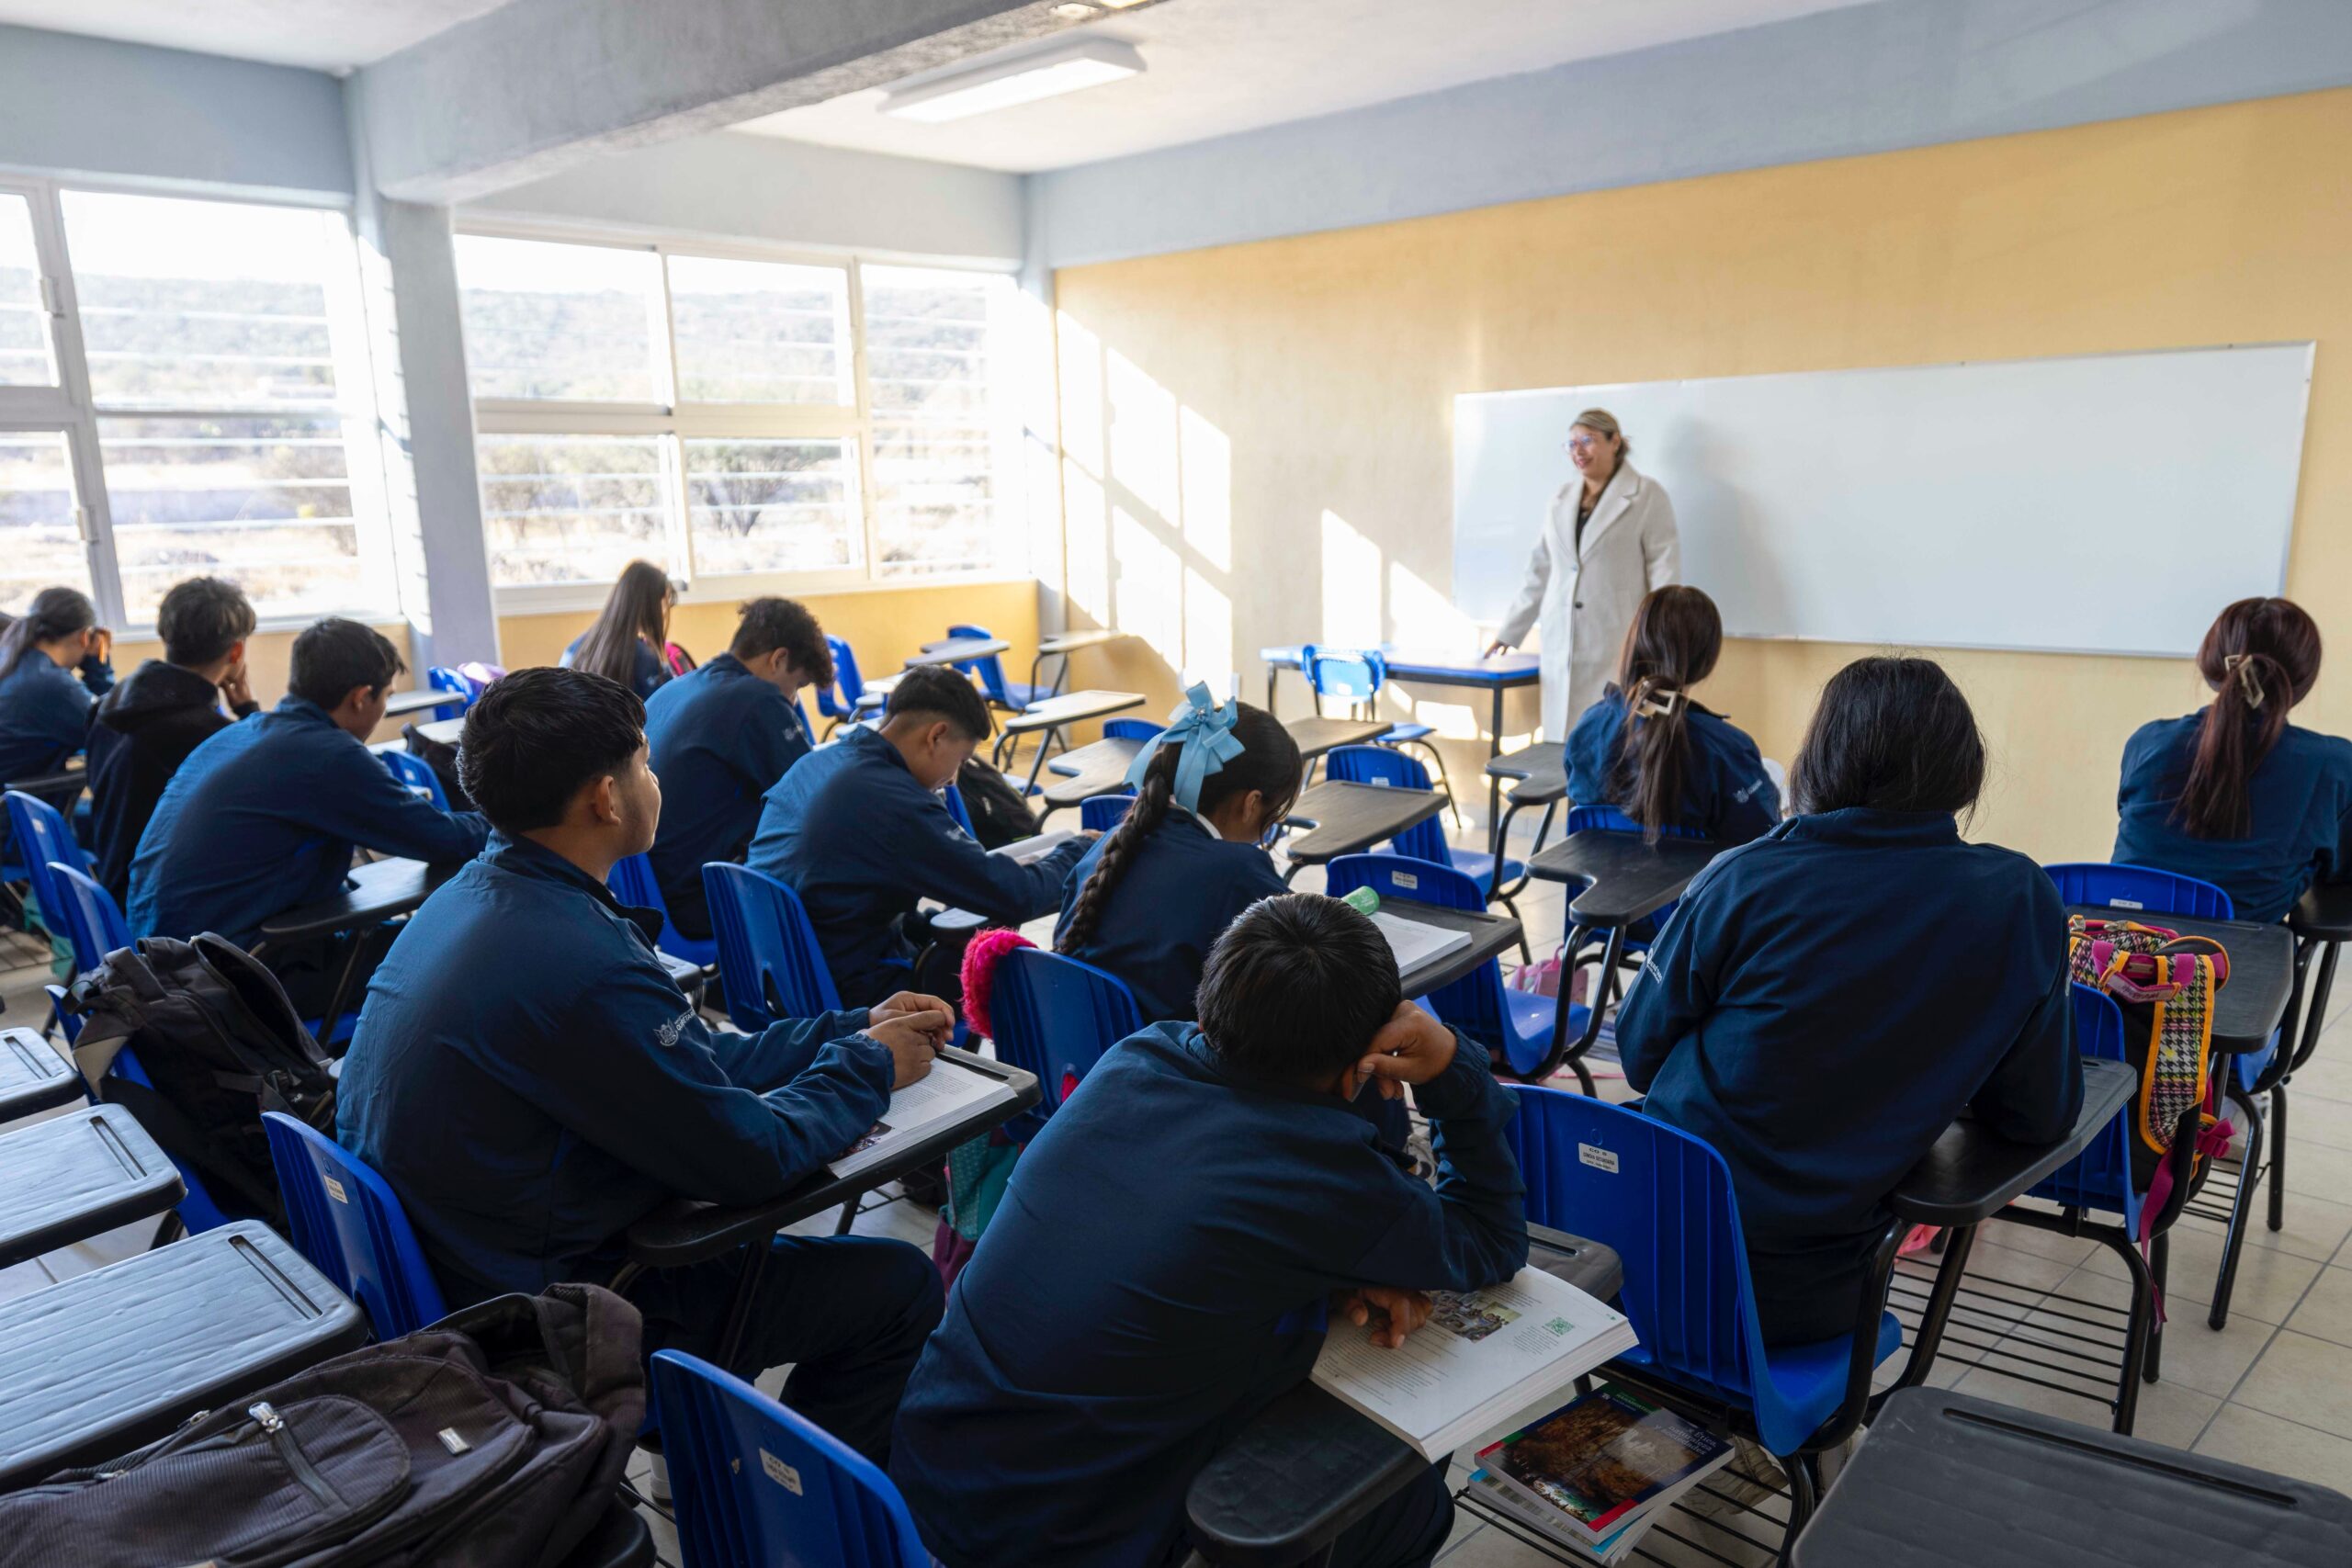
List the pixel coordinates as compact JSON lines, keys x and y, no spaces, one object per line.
{"x":1164,"y":783}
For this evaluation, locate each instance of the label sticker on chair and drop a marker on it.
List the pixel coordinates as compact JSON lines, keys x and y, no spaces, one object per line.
{"x":2125,"y":904}
{"x":1405,"y":879}
{"x":1600,"y":1159}
{"x":782,"y":1474}
{"x":335,"y":1190}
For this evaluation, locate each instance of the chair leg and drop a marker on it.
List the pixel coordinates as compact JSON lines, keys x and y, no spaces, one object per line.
{"x":2159,"y":1249}
{"x":1527,"y":954}
{"x":1804,"y":1472}
{"x":2136,"y":1336}
{"x":2278,"y":1155}
{"x":2241,"y":1210}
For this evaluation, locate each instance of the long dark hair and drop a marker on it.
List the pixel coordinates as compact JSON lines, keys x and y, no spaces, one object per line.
{"x":1269,"y":763}
{"x":1674,"y":641}
{"x":638,"y":607}
{"x":1894,"y":735}
{"x":55,"y":613}
{"x":2261,"y":657}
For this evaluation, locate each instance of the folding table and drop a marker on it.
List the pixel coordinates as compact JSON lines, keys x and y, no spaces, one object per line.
{"x":77,"y":1176}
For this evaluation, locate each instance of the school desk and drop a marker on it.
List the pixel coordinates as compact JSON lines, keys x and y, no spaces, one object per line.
{"x":32,"y":1076}
{"x":72,"y":1176}
{"x":1042,"y":718}
{"x":1490,"y":936}
{"x":1317,"y":735}
{"x":1061,"y":645}
{"x":956,"y":650}
{"x":94,"y":1367}
{"x":400,"y":703}
{"x":2249,"y":1009}
{"x":1351,"y":816}
{"x":683,"y":1231}
{"x":1540,"y":776}
{"x":2321,"y":922}
{"x":448,"y":731}
{"x":374,"y":893}
{"x":1625,"y":880}
{"x":1098,"y":767}
{"x":1950,"y":1481}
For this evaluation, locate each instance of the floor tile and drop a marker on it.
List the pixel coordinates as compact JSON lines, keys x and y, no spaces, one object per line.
{"x":2305,"y":1380}
{"x":2269,"y":1282}
{"x":2263,"y":1442}
{"x":2168,"y":1413}
{"x":2066,"y":1249}
{"x":2326,"y":1309}
{"x":2195,"y":1355}
{"x":2316,"y":1169}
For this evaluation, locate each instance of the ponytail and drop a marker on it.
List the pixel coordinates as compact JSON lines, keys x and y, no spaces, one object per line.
{"x":54,"y":612}
{"x":2261,"y":657}
{"x":1672,"y":645}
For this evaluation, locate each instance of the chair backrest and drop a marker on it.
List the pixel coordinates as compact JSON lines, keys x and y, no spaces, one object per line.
{"x":1101,"y":813}
{"x":836,"y":700}
{"x":1391,"y":769}
{"x":990,"y":668}
{"x":40,"y":834}
{"x":1056,"y":1016}
{"x":632,"y":881}
{"x":1130,"y":728}
{"x":755,"y":1483}
{"x":416,"y":774}
{"x":2140,"y":890}
{"x":1472,"y":1004}
{"x":768,"y":956}
{"x":197,"y":1211}
{"x":93,"y":922}
{"x":1356,"y":674}
{"x":956,"y":808}
{"x":347,"y":1221}
{"x":462,"y":692}
{"x":1608,"y":819}
{"x":2100,"y":1177}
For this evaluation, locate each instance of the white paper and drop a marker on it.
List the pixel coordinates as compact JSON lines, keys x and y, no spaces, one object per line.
{"x":1415,"y":943}
{"x":1029,"y":851}
{"x":948,"y":1091}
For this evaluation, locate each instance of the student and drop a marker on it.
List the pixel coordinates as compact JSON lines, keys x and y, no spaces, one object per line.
{"x":52,"y":667}
{"x":859,"y":831}
{"x":1150,"y":899}
{"x":1831,"y":994}
{"x":723,"y":734}
{"x":263,"y":816}
{"x":1676,"y":764}
{"x":2233,"y":794}
{"x":146,"y":727}
{"x":629,"y":639}
{"x":531,"y":1081}
{"x":1122,"y":1316}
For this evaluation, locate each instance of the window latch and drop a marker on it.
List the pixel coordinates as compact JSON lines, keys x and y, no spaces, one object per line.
{"x":82,"y":525}
{"x":50,"y":300}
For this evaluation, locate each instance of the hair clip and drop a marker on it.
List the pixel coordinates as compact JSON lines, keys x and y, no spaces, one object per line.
{"x":1656,"y":703}
{"x":2242,"y":666}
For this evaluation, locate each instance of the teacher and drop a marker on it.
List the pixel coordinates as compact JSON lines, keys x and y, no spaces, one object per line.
{"x":1610,"y":540}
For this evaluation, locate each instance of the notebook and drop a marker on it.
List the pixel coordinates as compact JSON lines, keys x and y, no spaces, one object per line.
{"x":1415,"y":943}
{"x":949,"y":1092}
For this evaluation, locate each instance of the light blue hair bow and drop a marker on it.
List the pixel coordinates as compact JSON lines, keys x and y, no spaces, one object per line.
{"x":1204,"y":731}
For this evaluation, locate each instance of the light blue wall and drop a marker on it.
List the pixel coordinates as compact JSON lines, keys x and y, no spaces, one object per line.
{"x":1866,"y":79}
{"x":100,"y":110}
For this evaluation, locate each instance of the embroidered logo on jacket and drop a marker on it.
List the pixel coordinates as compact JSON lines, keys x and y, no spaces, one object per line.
{"x":671,"y":1033}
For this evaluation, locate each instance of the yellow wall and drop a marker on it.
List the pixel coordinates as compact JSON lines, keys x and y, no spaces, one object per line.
{"x":1293,"y":397}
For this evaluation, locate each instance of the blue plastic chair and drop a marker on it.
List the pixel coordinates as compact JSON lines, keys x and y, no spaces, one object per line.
{"x":755,"y":1483}
{"x":1664,"y":1199}
{"x":1423,"y":841}
{"x":41,"y":835}
{"x":462,"y":690}
{"x":2099,"y":1178}
{"x":1130,"y":728}
{"x":2139,"y":889}
{"x":769,"y":963}
{"x":93,"y":922}
{"x":956,"y":808}
{"x":1357,"y":675}
{"x":846,"y":699}
{"x":416,"y":774}
{"x":1013,"y":696}
{"x":632,"y":881}
{"x":1055,"y":1017}
{"x":348,"y":1223}
{"x":1101,"y":813}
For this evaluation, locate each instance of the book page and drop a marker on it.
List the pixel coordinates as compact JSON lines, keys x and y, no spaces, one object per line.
{"x":1414,"y":943}
{"x":948,"y":1091}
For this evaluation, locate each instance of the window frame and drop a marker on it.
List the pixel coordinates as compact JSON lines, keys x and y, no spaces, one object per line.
{"x":679,"y":422}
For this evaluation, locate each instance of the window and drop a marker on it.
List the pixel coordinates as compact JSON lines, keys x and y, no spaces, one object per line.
{"x":41,"y":538}
{"x":830,"y":420}
{"x":26,"y":359}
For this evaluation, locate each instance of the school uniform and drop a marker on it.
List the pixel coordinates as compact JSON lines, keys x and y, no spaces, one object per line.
{"x":141,"y":733}
{"x":1825,"y":1002}
{"x":1122,"y":1318}
{"x":263,"y":818}
{"x":1183,"y":886}
{"x":719,"y":737}
{"x":647,"y":674}
{"x":530,"y":1081}
{"x":1727,"y":794}
{"x":852,"y":832}
{"x":2299,"y":798}
{"x":45,"y":717}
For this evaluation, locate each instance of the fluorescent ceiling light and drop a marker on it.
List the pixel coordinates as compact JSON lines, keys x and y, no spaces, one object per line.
{"x":1024,"y":79}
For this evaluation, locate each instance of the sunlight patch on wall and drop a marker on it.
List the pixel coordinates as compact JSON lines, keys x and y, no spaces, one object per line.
{"x":1205,"y":460}
{"x":1350,"y":585}
{"x":1086,"y":539}
{"x":1149,"y":604}
{"x":1143,"y":437}
{"x":1208,"y":635}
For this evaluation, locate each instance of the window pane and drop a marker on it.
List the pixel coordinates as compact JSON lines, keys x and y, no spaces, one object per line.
{"x":760,"y":332}
{"x":204,"y":304}
{"x":264,"y":502}
{"x":772,"y":505}
{"x":25,"y":358}
{"x":573,"y":507}
{"x":936,"y":507}
{"x":569,"y":323}
{"x":37,"y":532}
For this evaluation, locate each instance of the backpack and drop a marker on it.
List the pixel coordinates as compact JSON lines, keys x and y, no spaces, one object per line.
{"x":2164,"y":984}
{"x":1000,"y":816}
{"x":496,"y":1439}
{"x":219,"y":1044}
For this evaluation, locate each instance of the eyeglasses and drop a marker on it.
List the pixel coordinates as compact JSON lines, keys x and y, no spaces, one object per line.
{"x":1581,"y":442}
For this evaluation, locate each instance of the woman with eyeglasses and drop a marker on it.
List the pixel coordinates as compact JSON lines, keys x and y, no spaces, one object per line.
{"x":1609,"y":540}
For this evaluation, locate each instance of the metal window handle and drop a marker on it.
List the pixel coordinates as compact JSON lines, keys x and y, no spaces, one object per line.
{"x":50,"y":300}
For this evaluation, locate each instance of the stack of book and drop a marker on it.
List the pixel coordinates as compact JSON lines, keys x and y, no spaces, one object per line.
{"x":1595,"y":1474}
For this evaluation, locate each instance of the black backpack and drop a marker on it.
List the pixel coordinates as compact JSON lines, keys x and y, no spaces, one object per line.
{"x":496,"y":1439}
{"x":220,"y":1045}
{"x":1000,"y":816}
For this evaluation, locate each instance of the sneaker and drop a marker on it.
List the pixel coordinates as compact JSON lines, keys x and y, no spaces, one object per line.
{"x":656,"y":1481}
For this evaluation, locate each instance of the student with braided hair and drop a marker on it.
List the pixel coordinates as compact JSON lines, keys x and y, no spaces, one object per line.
{"x":2233,"y":792}
{"x":1151,"y":898}
{"x":1651,"y":750}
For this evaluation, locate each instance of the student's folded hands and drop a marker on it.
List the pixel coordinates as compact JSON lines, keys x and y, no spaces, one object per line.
{"x":929,"y":1014}
{"x":1389,"y":1311}
{"x":1411,"y":1047}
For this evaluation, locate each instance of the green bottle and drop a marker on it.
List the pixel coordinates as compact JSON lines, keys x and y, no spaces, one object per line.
{"x":1363,"y":900}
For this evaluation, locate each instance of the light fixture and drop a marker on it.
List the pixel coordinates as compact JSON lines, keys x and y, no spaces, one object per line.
{"x":1022,"y":79}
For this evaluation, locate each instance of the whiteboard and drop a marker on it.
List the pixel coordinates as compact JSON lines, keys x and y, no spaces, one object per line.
{"x":2107,"y":504}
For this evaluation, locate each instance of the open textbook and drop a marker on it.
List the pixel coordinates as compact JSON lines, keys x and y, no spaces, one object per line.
{"x":949,"y":1092}
{"x":1484,"y":1360}
{"x":1597,"y":1472}
{"x":1415,"y":943}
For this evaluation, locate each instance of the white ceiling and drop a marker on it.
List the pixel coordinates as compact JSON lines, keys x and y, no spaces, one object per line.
{"x":327,"y":35}
{"x":1221,"y":66}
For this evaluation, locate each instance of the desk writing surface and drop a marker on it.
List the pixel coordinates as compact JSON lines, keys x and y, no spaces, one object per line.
{"x":1070,"y":642}
{"x":400,"y":703}
{"x":1490,"y":936}
{"x":959,"y":650}
{"x":1072,"y":708}
{"x":1317,"y":736}
{"x":1623,"y":878}
{"x":448,"y":731}
{"x":68,"y":1179}
{"x":1351,"y":816}
{"x":1969,"y":1175}
{"x":33,"y":1076}
{"x":2248,"y":1009}
{"x":374,"y":892}
{"x":2324,"y":911}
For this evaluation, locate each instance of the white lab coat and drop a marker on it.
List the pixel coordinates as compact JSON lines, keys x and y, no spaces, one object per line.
{"x":1583,"y":607}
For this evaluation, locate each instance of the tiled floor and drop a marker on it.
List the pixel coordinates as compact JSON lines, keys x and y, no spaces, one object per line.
{"x":2273,"y":1391}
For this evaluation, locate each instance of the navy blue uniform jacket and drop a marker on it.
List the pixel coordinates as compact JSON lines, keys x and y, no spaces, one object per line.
{"x":1119,"y":1321}
{"x":1824,"y":1004}
{"x":530,"y":1081}
{"x":141,"y":734}
{"x":646,"y":677}
{"x":262,"y":818}
{"x":850,"y":831}
{"x":1727,"y":794}
{"x":2300,"y":799}
{"x":1183,"y":886}
{"x":45,"y":715}
{"x":720,"y":735}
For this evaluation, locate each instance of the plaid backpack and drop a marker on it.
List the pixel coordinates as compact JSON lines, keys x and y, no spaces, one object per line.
{"x":2165,"y":984}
